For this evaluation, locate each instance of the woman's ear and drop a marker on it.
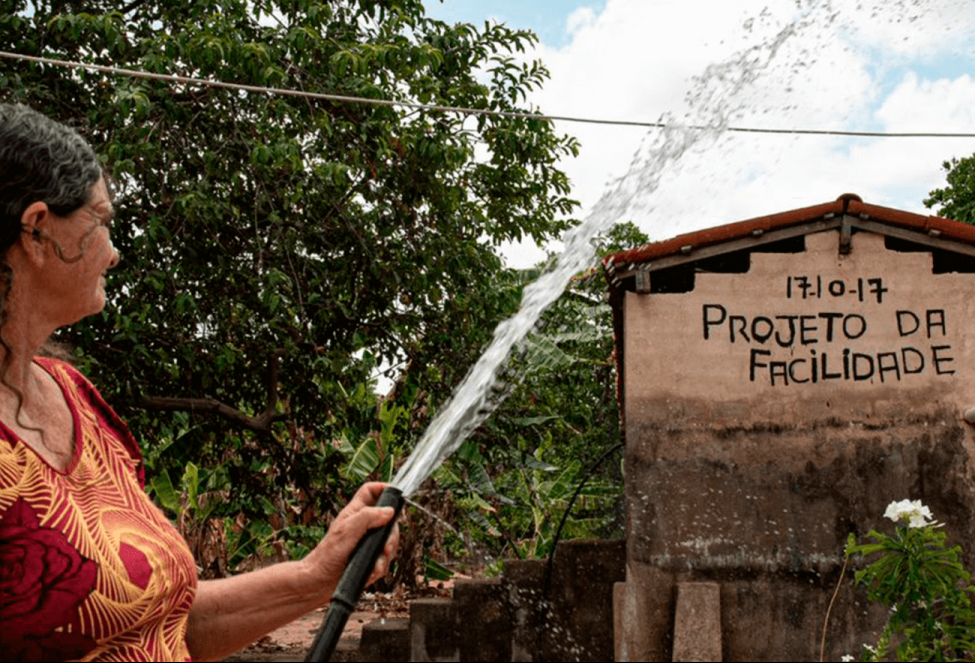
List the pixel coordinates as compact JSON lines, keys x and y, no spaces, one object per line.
{"x":32,"y":222}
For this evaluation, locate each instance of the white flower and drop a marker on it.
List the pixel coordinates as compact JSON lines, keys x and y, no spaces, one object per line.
{"x":914,"y":513}
{"x":846,"y":657}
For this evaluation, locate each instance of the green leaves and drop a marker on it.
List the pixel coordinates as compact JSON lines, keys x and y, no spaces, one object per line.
{"x":193,"y":499}
{"x":365,"y":460}
{"x":957,"y":200}
{"x":378,"y":453}
{"x":166,"y":495}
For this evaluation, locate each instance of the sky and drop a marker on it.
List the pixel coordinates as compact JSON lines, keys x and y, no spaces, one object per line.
{"x":848,"y":65}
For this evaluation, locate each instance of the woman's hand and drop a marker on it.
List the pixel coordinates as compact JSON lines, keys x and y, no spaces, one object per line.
{"x":230,"y":613}
{"x":328,"y":560}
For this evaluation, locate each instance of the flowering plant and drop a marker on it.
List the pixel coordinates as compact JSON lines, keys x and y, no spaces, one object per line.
{"x":924,"y":584}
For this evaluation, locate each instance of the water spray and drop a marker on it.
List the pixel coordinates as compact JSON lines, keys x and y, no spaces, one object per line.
{"x":361,"y":563}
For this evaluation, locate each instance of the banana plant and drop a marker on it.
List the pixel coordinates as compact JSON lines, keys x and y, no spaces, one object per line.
{"x":376,"y":455}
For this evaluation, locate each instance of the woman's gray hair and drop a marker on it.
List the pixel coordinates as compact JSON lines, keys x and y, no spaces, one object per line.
{"x":40,"y":160}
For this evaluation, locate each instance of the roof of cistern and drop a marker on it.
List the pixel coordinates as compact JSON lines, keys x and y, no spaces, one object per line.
{"x":849,"y":205}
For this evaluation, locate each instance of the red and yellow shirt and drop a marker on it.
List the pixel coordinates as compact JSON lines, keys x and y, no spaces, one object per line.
{"x":90,"y":569}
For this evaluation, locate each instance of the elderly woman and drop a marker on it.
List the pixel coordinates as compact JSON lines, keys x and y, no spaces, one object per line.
{"x":89,"y":567}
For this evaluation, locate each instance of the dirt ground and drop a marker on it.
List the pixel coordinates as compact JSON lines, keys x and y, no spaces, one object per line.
{"x":292,"y":642}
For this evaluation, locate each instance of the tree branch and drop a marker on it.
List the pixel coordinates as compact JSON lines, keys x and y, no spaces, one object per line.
{"x":208,"y":406}
{"x":261,"y":423}
{"x":132,"y":5}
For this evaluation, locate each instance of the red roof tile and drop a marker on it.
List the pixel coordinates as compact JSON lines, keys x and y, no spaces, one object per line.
{"x":847,"y":203}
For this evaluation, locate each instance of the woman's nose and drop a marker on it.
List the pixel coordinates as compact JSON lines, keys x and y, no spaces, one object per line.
{"x":115,"y":255}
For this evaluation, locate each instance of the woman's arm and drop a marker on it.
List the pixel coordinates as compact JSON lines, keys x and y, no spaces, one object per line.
{"x":230,"y":613}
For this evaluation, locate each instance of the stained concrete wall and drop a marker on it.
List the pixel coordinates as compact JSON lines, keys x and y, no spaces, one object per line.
{"x":770,"y":414}
{"x":514,"y":617}
{"x":577,"y":623}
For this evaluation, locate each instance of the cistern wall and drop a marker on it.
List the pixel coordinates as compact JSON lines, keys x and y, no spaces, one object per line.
{"x":768,"y":415}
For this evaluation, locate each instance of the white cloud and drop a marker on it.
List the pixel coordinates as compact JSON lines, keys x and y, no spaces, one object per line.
{"x":941,"y":105}
{"x":909,"y":31}
{"x":579,"y":18}
{"x":840,"y":64}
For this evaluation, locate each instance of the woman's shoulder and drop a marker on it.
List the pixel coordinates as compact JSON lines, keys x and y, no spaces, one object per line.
{"x":88,"y":397}
{"x":54,"y":365}
{"x":75,"y":382}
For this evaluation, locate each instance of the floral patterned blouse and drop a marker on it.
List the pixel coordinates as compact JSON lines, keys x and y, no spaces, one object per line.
{"x":90,"y":569}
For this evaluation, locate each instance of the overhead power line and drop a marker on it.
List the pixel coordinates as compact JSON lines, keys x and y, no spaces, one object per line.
{"x":186,"y":80}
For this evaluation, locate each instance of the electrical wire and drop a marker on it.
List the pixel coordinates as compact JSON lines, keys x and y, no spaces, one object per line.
{"x":187,"y":80}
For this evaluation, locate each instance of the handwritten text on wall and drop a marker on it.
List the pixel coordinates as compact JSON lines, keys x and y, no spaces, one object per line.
{"x":792,"y":348}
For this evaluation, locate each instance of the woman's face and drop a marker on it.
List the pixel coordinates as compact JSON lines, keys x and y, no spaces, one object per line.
{"x":85,"y":250}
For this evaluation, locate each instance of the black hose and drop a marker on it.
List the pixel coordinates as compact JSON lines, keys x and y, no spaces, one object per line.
{"x":565,"y":516}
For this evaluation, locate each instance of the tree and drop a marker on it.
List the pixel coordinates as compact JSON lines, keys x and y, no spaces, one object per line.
{"x":276,"y":250}
{"x":957,"y":200}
